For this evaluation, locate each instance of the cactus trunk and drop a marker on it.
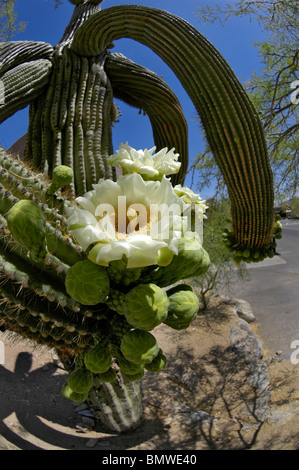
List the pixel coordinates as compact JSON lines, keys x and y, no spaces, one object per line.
{"x":118,"y":405}
{"x":70,"y":124}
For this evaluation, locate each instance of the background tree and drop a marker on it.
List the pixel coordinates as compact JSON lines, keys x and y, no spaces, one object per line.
{"x":9,"y":24}
{"x":273,"y":91}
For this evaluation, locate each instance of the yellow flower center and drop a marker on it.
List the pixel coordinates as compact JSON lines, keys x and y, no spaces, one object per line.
{"x":128,"y":220}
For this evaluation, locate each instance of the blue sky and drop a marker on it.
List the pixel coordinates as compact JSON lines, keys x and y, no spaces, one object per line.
{"x":235,"y":42}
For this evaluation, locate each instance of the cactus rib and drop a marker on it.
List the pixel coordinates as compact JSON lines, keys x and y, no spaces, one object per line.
{"x":118,"y":405}
{"x":22,"y":84}
{"x":13,"y":53}
{"x":70,"y":121}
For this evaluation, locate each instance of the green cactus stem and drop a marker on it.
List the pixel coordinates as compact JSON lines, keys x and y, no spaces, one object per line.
{"x":71,"y":122}
{"x":233,"y":129}
{"x":70,"y":118}
{"x":25,"y":67}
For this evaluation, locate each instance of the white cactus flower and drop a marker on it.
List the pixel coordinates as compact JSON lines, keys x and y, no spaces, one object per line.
{"x":190,"y":197}
{"x":132,"y":218}
{"x":149,"y":166}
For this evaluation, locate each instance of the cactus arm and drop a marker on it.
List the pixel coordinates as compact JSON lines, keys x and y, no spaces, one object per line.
{"x":119,"y":405}
{"x":15,"y":187}
{"x":28,"y":185}
{"x":232,"y":127}
{"x":24,"y":70}
{"x":143,"y":89}
{"x":13,"y":53}
{"x":21,"y":84}
{"x":41,"y":305}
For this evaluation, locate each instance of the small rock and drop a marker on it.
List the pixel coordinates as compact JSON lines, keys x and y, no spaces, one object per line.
{"x":81,"y":427}
{"x":91,"y":443}
{"x":88,"y":422}
{"x":103,"y":443}
{"x":81,"y":407}
{"x":244,"y":310}
{"x":199,"y":416}
{"x":86,"y":412}
{"x":245,"y":341}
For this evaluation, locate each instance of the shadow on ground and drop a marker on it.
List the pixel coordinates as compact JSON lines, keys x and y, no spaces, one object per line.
{"x":203,"y":400}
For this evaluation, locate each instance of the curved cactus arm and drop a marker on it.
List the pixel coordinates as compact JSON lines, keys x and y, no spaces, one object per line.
{"x":232,"y":127}
{"x":14,"y":53}
{"x":21,"y":84}
{"x":143,"y":89}
{"x":24,"y":70}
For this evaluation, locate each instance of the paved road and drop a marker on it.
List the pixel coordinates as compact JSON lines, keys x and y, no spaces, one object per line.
{"x":273,"y":293}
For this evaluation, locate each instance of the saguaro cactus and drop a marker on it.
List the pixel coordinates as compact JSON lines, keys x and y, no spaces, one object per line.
{"x":63,"y":283}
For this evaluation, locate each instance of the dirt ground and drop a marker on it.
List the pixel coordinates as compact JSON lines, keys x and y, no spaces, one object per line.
{"x":201,"y":401}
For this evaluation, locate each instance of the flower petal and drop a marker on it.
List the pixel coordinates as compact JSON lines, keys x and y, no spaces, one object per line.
{"x":87,"y":235}
{"x":131,"y":160}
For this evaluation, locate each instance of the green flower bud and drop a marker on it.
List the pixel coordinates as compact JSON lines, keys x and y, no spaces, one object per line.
{"x":108,"y":376}
{"x":146,"y":306}
{"x":27,"y":224}
{"x":190,"y":261}
{"x":98,"y":359}
{"x":204,"y":265}
{"x":133,"y":377}
{"x":87,"y":283}
{"x":139,"y":346}
{"x":80,"y":381}
{"x":183,"y":308}
{"x":128,"y":367}
{"x":116,"y":301}
{"x":157,"y":364}
{"x":120,"y":274}
{"x":67,"y":392}
{"x":62,"y":176}
{"x":178,"y":288}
